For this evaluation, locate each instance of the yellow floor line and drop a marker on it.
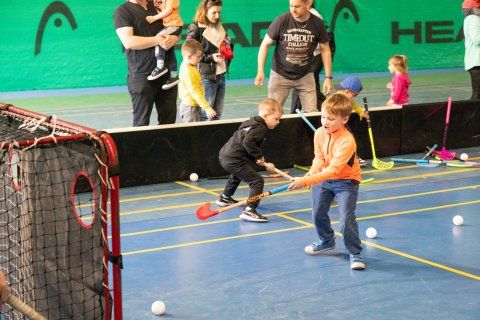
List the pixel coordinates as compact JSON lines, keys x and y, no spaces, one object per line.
{"x":213,"y":240}
{"x":304,"y":226}
{"x":215,"y":191}
{"x":197,"y":204}
{"x":431,"y":263}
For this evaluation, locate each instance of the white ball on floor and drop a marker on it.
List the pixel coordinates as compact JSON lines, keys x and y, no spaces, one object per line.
{"x":371,"y":233}
{"x":457,"y":220}
{"x":194,"y":177}
{"x":464,"y":157}
{"x":158,"y":308}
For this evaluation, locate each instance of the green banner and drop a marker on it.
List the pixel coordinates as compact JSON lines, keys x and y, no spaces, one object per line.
{"x":73,"y":44}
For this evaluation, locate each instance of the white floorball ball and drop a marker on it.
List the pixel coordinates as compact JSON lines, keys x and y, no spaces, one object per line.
{"x":158,"y":308}
{"x":371,"y":233}
{"x":457,"y":220}
{"x":194,"y":177}
{"x":464,"y":157}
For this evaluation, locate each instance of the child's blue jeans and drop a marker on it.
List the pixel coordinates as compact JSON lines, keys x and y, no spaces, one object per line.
{"x":346,"y":193}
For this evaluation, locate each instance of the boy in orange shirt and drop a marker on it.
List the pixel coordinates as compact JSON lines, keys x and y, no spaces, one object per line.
{"x":172,"y":25}
{"x":335,"y":173}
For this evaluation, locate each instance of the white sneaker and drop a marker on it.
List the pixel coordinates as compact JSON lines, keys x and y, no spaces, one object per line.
{"x":362,"y":162}
{"x":250,"y":214}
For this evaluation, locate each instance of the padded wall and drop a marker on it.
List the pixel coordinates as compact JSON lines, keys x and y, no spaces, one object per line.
{"x":163,"y":154}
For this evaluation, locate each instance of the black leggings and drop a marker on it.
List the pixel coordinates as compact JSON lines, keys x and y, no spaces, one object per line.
{"x":475,"y":77}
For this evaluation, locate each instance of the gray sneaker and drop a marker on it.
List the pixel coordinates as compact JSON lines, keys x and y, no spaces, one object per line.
{"x":357,"y":262}
{"x":362,"y":162}
{"x":250,"y":214}
{"x":157,"y":73}
{"x":319,"y":247}
{"x":225,"y":201}
{"x":172,"y":82}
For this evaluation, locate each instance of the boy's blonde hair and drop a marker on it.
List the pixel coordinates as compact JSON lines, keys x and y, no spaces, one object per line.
{"x":191,"y":46}
{"x":269,"y":106}
{"x":338,"y":105}
{"x":400,"y":62}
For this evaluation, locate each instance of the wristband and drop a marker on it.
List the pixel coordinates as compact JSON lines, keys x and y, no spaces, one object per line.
{"x":328,"y":77}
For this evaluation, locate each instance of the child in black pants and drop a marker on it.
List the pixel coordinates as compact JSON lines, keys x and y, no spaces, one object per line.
{"x":242,"y":152}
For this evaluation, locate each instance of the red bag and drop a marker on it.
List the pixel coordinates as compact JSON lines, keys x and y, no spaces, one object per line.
{"x":226,"y":50}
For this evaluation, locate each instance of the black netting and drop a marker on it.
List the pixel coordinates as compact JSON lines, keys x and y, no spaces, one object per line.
{"x":51,"y":246}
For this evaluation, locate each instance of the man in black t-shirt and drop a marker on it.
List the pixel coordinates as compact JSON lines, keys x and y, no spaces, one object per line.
{"x":296,"y":34}
{"x":138,"y":38}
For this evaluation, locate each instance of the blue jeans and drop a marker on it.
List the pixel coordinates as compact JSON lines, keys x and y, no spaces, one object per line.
{"x":346,"y":192}
{"x":215,"y":95}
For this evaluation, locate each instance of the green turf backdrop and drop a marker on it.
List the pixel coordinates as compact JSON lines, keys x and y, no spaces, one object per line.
{"x":85,"y":51}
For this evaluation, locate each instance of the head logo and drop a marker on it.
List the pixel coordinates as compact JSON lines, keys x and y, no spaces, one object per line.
{"x":344,"y":4}
{"x":53,"y":8}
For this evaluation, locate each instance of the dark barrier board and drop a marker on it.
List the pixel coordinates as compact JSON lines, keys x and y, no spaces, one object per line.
{"x":424,"y":125}
{"x":386,"y":130}
{"x":173,"y":153}
{"x":169,"y":153}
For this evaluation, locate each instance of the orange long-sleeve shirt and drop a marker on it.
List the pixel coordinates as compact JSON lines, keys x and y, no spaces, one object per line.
{"x":335,"y":158}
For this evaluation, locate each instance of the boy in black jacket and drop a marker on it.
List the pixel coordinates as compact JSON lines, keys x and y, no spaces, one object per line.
{"x":240,"y":154}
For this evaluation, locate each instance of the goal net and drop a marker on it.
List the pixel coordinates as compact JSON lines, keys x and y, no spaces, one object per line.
{"x":58,"y":206}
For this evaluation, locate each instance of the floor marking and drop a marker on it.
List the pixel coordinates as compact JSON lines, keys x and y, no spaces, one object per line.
{"x":197,"y":188}
{"x":197,"y":204}
{"x":306,"y":225}
{"x":247,"y":102}
{"x":283,"y":215}
{"x":433,"y":264}
{"x":188,"y":205}
{"x":203,"y":224}
{"x":422,"y":176}
{"x":419,"y":210}
{"x":213,"y":240}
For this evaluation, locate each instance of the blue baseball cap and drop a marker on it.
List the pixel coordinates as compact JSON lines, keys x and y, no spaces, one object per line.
{"x":350,"y":83}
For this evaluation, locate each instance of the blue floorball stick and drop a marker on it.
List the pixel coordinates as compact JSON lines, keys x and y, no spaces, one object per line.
{"x":448,"y":163}
{"x":305,"y":119}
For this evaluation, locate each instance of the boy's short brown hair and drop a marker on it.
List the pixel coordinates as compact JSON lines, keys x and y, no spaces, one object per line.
{"x":338,"y":105}
{"x":191,"y":46}
{"x":269,"y":106}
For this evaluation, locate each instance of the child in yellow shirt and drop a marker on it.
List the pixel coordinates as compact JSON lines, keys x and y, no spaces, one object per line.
{"x":190,"y":89}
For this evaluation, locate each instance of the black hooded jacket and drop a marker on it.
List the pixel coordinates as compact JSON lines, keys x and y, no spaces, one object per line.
{"x":246,"y":142}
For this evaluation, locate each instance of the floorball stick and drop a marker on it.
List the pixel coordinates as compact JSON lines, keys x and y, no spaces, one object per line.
{"x":281,"y":173}
{"x":305,"y":119}
{"x":296,"y":166}
{"x":444,"y":154}
{"x":25,"y":309}
{"x":376,"y":163}
{"x":204,"y":211}
{"x":267,"y":175}
{"x":465,"y":164}
{"x":427,"y":154}
{"x":430,"y":151}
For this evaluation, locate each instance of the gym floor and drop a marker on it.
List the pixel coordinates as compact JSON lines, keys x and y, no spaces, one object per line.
{"x":420,"y":266}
